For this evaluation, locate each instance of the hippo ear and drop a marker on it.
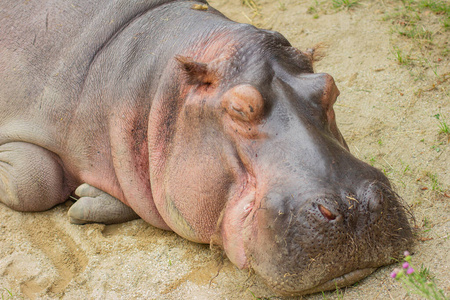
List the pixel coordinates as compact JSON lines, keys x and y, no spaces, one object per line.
{"x":197,"y":72}
{"x":330,"y":94}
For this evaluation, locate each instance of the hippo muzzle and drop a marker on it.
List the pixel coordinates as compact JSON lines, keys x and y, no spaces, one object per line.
{"x":302,"y":243}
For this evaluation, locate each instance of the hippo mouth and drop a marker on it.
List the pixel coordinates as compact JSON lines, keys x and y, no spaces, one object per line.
{"x":341,"y":281}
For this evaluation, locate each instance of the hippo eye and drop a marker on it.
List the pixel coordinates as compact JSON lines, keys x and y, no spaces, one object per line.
{"x":326,"y":213}
{"x":244,"y":102}
{"x":239,"y":110}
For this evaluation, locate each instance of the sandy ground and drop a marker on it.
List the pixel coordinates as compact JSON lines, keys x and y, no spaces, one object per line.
{"x":386,"y":111}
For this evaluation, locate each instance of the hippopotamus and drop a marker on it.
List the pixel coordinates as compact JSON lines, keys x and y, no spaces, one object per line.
{"x":219,"y":131}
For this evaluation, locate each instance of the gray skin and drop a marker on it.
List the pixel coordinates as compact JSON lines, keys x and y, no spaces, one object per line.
{"x":219,"y":131}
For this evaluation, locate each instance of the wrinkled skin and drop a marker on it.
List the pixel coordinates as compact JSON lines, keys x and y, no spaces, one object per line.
{"x":216,"y":130}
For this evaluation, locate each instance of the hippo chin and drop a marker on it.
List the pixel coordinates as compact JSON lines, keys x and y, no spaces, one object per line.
{"x":219,"y":131}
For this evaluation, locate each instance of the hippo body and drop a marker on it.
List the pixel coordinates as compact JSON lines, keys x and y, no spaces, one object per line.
{"x":219,"y":131}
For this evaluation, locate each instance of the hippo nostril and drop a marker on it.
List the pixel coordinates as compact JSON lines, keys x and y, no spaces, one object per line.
{"x":326,"y":213}
{"x":375,"y":198}
{"x":375,"y":203}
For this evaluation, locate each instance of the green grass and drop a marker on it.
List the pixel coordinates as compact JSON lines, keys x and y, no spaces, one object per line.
{"x":416,"y":32}
{"x":325,"y":7}
{"x":439,"y":7}
{"x":405,"y":167}
{"x":387,"y":171}
{"x":436,"y":6}
{"x":337,"y":293}
{"x":281,"y":6}
{"x":443,"y":126}
{"x":259,"y":298}
{"x":435,"y":184}
{"x":419,"y":29}
{"x":411,"y":15}
{"x":420,"y":282}
{"x":311,"y":10}
{"x":345,"y":3}
{"x":401,"y":57}
{"x":436,"y":148}
{"x":408,"y":24}
{"x":425,"y":222}
{"x":8,"y":295}
{"x":314,"y":10}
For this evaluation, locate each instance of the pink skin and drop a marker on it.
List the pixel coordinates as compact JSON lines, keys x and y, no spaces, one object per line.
{"x":233,"y":225}
{"x":180,"y":175}
{"x":224,"y":198}
{"x":128,"y":162}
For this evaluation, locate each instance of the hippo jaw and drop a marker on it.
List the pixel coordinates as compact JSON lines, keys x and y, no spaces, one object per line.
{"x":343,"y":280}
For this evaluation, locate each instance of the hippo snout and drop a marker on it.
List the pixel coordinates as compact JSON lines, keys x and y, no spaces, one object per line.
{"x":315,"y":242}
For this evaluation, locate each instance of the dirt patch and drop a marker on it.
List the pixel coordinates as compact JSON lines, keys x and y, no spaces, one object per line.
{"x":393,"y":107}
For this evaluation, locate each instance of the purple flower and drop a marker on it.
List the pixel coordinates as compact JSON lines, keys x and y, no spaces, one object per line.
{"x":405,"y":265}
{"x":406,"y":253}
{"x":410,"y":271}
{"x":396,"y":272}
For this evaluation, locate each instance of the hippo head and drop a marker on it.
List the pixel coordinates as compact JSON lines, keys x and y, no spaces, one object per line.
{"x":245,"y":153}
